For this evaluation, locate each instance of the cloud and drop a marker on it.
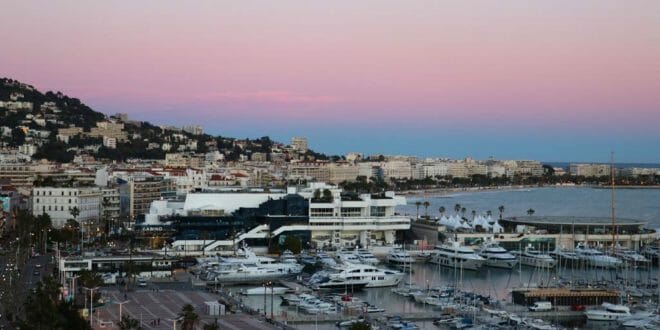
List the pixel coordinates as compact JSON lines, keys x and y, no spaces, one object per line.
{"x":269,"y":96}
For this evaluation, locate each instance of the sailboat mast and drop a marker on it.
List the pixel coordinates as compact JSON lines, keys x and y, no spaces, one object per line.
{"x":614,"y":226}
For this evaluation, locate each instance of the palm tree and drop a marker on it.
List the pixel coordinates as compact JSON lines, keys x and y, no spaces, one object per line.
{"x":474,"y":214}
{"x":530,"y":212}
{"x":501,"y":209}
{"x":489,"y":213}
{"x":463,"y":210}
{"x":129,"y":323}
{"x":418,"y":204}
{"x":426,"y":208}
{"x":457,"y":208}
{"x":442,"y":211}
{"x":190,"y":318}
{"x":75,"y":212}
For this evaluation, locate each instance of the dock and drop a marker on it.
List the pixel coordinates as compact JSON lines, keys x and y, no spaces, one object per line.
{"x":564,"y":296}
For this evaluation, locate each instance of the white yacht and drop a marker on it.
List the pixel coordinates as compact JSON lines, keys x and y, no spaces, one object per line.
{"x":260,"y":261}
{"x":373,"y":276}
{"x":326,"y":280}
{"x":399,"y":257}
{"x":597,"y":258}
{"x":366,"y":257}
{"x":565,"y":257}
{"x":287,"y":257}
{"x":535,"y":258}
{"x":608,"y":312}
{"x":497,"y":256}
{"x":246,"y":274}
{"x":631,"y":256}
{"x":325,"y":259}
{"x":453,"y":254}
{"x":347,"y":257}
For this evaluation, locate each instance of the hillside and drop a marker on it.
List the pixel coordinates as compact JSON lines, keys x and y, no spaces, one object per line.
{"x":58,"y":127}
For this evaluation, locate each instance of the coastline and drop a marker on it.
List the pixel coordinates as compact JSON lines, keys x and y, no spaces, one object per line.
{"x":447,"y":191}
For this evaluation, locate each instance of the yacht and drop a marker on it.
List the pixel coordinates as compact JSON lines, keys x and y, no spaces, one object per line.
{"x":348,"y":257}
{"x":325,"y":259}
{"x":399,"y":257}
{"x":307,"y":259}
{"x":535,"y":258}
{"x":247,"y":274}
{"x":325,"y":280}
{"x":496,"y":256}
{"x":608,"y":312}
{"x":373,"y":277}
{"x":453,"y":254}
{"x":565,"y":257}
{"x":287,"y":257}
{"x":631,"y":256}
{"x":366,"y":257}
{"x":260,"y":261}
{"x":596,"y":258}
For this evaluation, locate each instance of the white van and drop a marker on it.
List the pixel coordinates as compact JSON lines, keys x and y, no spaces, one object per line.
{"x":541,"y":306}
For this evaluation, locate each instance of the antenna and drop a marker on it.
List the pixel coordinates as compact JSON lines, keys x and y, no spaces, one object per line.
{"x":614,"y":226}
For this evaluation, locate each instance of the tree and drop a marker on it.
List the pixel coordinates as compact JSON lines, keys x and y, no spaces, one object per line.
{"x":212,"y":326}
{"x":426,"y":208}
{"x":89,"y":279}
{"x":530,"y":212}
{"x":457,"y":208}
{"x":501,"y":209}
{"x":17,"y":137}
{"x":442,"y":211}
{"x":293,"y":244}
{"x":327,"y":195}
{"x":360,"y":326}
{"x":129,"y":323}
{"x":418,"y":204}
{"x":474,"y":214}
{"x":190,"y":318}
{"x":463,"y":210}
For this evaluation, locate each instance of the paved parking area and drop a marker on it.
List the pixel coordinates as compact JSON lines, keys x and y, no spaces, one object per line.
{"x":149,"y":306}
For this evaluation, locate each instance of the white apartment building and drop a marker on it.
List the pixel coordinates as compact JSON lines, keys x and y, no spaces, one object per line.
{"x":589,"y":170}
{"x":457,"y":170}
{"x":397,"y":169}
{"x":58,"y":203}
{"x":342,"y":172}
{"x":110,"y":142}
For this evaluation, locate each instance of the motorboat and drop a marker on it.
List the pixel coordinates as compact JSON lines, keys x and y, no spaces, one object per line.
{"x":453,"y":254}
{"x":348,"y":257}
{"x":535,"y":258}
{"x":497,"y":256}
{"x":367,"y":258}
{"x":597,"y":258}
{"x":307,"y":259}
{"x":250,"y":258}
{"x":325,"y":259}
{"x":399,"y":257}
{"x":608,"y":312}
{"x":261,"y":290}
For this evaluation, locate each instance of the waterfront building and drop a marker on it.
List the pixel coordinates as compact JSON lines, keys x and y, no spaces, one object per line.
{"x":318,"y":213}
{"x":590,"y":170}
{"x":19,"y":175}
{"x":545,"y":233}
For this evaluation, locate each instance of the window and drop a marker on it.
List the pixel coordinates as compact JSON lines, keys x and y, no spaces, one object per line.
{"x":321,"y":212}
{"x":351,"y":211}
{"x":377,"y":211}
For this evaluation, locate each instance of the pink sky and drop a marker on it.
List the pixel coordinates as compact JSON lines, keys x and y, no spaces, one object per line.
{"x":569,"y":62}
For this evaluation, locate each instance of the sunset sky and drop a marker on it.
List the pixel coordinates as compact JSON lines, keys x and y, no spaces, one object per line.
{"x":547,"y":80}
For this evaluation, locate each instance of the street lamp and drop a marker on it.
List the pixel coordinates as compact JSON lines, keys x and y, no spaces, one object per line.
{"x":91,"y":305}
{"x":121,"y":304}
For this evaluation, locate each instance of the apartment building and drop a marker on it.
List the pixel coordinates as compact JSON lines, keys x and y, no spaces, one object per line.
{"x":589,"y":170}
{"x":19,"y":175}
{"x":58,"y":203}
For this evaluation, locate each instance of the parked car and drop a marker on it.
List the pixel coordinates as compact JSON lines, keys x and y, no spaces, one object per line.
{"x":541,"y":306}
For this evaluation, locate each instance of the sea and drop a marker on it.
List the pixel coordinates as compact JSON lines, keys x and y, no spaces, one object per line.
{"x":497,"y":283}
